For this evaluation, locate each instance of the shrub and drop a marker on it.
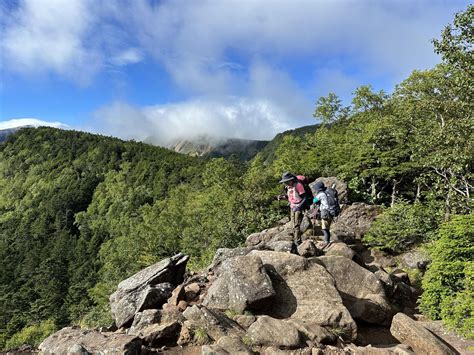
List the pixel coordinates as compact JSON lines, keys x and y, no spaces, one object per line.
{"x":402,"y":226}
{"x":32,"y":335}
{"x":448,"y":282}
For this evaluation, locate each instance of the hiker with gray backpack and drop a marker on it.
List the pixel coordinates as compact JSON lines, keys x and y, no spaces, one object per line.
{"x":327,"y":200}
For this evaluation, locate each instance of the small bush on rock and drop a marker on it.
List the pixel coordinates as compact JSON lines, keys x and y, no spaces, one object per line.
{"x":32,"y":335}
{"x":448,"y":283}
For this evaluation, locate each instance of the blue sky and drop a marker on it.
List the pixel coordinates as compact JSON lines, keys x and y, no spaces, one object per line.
{"x":168,"y":69}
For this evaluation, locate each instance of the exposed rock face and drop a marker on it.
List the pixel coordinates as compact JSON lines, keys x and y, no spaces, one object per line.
{"x":306,"y":291}
{"x":274,"y":332}
{"x":354,"y":220}
{"x":71,"y":340}
{"x":420,"y":339}
{"x":362,"y":292}
{"x":147,"y":289}
{"x":242,"y":283}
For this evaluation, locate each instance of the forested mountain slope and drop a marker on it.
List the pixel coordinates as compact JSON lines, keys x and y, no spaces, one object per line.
{"x":78,"y":212}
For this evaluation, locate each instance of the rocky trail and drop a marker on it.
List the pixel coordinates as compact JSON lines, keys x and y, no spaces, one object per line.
{"x":272,"y":297}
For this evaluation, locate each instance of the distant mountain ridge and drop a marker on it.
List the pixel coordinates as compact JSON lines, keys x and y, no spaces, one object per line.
{"x":206,"y":146}
{"x":4,"y":133}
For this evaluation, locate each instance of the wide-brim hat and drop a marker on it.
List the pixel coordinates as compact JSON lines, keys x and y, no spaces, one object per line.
{"x":319,"y":186}
{"x":287,"y":177}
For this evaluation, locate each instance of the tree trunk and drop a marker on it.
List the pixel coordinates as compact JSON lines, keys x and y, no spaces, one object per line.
{"x":373,"y":192}
{"x":447,"y":205}
{"x":394,"y":191}
{"x":418,"y":192}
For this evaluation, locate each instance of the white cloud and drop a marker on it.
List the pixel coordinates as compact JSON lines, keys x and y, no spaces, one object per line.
{"x":18,"y":122}
{"x":48,"y":36}
{"x":245,"y":118}
{"x":128,"y":56}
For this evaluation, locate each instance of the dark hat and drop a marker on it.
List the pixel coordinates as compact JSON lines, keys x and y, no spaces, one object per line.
{"x":319,"y":186}
{"x":287,"y":177}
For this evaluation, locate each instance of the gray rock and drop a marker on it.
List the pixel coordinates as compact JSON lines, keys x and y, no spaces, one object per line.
{"x":306,"y":291}
{"x":263,"y":236}
{"x":285,"y":235}
{"x":157,"y":335}
{"x":153,"y":296}
{"x":216,"y":323}
{"x":233,"y":345}
{"x":308,"y":249}
{"x":420,"y":339}
{"x":355,"y":220}
{"x":245,"y":321}
{"x":271,"y":350}
{"x":339,"y":249}
{"x":280,"y":245}
{"x":242,"y":283}
{"x":313,"y":332}
{"x":192,"y":291}
{"x":142,"y":290}
{"x":274,"y":332}
{"x":223,"y":254}
{"x":92,"y":341}
{"x":414,"y":259}
{"x":399,"y":349}
{"x":77,"y":349}
{"x":362,"y":292}
{"x":305,"y":224}
{"x":144,"y":319}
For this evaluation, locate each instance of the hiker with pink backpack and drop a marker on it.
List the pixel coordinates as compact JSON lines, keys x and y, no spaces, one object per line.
{"x":300,"y":198}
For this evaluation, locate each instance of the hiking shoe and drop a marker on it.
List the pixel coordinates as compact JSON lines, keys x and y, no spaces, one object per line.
{"x":327,"y":245}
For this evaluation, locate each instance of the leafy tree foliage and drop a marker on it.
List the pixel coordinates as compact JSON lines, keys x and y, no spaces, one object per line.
{"x":402,"y":226}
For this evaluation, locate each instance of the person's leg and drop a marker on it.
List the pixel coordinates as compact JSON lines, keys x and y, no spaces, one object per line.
{"x":325,"y":225}
{"x":298,"y":216}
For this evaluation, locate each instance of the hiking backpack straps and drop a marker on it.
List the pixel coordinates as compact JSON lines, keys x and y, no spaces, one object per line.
{"x":333,"y":202}
{"x":307,"y":190}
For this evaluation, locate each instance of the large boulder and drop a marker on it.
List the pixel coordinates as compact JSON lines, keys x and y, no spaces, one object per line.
{"x":216,"y":323}
{"x":242,"y":283}
{"x":420,"y":339}
{"x":305,"y":291}
{"x":339,"y":249}
{"x":148,"y":288}
{"x":157,"y":335}
{"x":223,"y":254}
{"x":76,"y":341}
{"x":362,"y":292}
{"x":263,"y":236}
{"x":354,"y":221}
{"x":274,"y":332}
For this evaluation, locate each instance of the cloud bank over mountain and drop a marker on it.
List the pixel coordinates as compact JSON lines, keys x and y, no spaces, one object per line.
{"x":19,"y":122}
{"x":283,"y":54}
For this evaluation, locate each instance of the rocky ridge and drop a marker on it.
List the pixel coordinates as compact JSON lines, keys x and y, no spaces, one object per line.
{"x":268,"y":297}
